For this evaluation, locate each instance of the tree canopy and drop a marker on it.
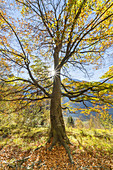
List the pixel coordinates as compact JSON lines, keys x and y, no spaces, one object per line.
{"x":67,"y":34}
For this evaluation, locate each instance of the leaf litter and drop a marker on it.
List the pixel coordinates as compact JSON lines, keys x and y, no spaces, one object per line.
{"x":13,"y":157}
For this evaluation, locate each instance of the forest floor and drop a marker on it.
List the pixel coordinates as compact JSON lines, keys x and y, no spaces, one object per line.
{"x":91,"y":149}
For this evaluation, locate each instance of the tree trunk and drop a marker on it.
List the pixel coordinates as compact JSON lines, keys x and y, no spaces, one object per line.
{"x":57,"y":132}
{"x":57,"y":123}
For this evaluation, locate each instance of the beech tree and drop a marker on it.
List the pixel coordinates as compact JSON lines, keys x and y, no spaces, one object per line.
{"x":66,"y":34}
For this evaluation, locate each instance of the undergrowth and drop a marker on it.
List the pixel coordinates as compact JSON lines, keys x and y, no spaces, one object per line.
{"x":19,"y":139}
{"x":96,"y":142}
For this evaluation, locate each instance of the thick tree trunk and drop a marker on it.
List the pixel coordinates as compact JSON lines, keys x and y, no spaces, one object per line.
{"x":57,"y":123}
{"x":57,"y":132}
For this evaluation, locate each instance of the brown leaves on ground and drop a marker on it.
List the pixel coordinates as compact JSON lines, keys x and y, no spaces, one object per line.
{"x":12,"y":157}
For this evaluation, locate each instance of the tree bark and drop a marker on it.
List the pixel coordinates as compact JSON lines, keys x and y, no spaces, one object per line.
{"x":57,"y":132}
{"x":57,"y":123}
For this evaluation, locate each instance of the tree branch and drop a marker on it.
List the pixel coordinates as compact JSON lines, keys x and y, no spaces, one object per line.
{"x":15,"y":35}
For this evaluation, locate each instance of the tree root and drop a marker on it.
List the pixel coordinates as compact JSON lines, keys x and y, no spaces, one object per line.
{"x":64,"y":142}
{"x":39,"y":147}
{"x":53,"y":144}
{"x":68,"y":141}
{"x":68,"y":151}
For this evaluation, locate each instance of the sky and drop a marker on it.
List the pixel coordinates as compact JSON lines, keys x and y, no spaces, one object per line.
{"x":94,"y":75}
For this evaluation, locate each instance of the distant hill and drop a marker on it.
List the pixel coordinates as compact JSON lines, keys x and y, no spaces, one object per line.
{"x":78,"y":114}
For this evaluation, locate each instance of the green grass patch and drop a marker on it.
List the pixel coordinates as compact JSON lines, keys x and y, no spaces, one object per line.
{"x":97,"y":139}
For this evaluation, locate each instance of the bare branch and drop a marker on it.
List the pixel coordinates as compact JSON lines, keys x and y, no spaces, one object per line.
{"x":68,"y":53}
{"x":15,"y":35}
{"x":25,"y":99}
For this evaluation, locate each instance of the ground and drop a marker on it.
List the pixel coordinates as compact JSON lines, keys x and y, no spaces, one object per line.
{"x":91,"y":149}
{"x":55,"y":159}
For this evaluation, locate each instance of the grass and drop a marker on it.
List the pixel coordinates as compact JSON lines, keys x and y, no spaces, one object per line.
{"x":92,"y":138}
{"x":25,"y":138}
{"x":96,"y":144}
{"x":30,"y":138}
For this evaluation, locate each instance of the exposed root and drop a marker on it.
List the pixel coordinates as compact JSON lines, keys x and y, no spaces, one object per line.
{"x":62,"y":141}
{"x":61,"y":138}
{"x":53,"y":144}
{"x":68,"y":141}
{"x":68,"y":151}
{"x":65,"y":146}
{"x":39,"y":147}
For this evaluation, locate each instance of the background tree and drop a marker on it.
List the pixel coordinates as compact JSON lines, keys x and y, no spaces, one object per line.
{"x":67,"y":34}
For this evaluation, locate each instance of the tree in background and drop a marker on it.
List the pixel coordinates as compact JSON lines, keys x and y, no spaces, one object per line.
{"x":35,"y":35}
